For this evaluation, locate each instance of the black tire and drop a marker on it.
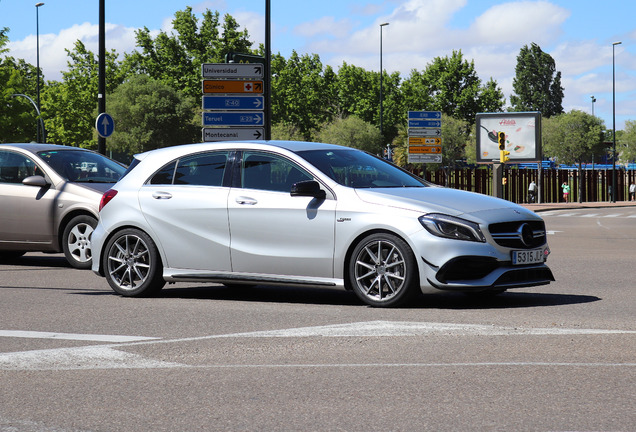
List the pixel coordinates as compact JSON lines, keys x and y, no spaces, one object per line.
{"x":132,"y":264}
{"x":383,"y":271}
{"x":76,"y":241}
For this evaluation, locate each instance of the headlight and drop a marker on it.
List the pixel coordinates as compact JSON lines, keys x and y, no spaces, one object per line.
{"x":452,"y":227}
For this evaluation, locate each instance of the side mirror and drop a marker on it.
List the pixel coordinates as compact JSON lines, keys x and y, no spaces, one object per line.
{"x":35,"y":180}
{"x":308,"y":188}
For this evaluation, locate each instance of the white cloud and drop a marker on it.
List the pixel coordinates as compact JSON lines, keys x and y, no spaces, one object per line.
{"x":514,"y":23}
{"x":53,"y":57}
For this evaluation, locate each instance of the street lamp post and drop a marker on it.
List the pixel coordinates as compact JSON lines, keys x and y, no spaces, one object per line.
{"x":381,"y":76}
{"x":593,"y":100}
{"x":40,"y":122}
{"x":614,"y":121}
{"x":37,"y":37}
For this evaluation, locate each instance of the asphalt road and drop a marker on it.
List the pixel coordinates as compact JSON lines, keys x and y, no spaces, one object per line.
{"x":562,"y":357}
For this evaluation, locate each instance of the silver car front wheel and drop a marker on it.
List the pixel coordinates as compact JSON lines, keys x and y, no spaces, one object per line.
{"x":132,"y":264}
{"x":76,"y":241}
{"x":382,"y":270}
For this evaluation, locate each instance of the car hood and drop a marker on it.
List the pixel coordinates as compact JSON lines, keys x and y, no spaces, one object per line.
{"x":442,"y":200}
{"x":93,"y":187}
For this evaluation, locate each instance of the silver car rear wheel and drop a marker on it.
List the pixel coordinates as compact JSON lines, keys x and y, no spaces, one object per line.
{"x":382,"y":271}
{"x":132,"y":264}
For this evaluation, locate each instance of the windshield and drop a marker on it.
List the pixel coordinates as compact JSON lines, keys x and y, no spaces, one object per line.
{"x":83,"y":166}
{"x":357,"y":169}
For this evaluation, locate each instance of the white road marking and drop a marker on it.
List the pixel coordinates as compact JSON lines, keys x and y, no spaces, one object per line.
{"x":72,"y":336}
{"x":90,"y":357}
{"x":109,"y":357}
{"x":395,"y":328}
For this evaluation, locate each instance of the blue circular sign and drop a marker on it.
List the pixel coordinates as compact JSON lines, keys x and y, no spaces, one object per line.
{"x":104,"y":125}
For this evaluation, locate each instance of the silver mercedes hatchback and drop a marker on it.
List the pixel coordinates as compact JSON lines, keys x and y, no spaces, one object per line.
{"x":308,"y":215}
{"x":49,"y":199}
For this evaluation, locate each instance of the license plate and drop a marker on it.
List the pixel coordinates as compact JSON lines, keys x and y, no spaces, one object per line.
{"x":533,"y":256}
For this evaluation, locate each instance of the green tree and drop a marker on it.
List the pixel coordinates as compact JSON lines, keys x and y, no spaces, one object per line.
{"x":352,"y":132}
{"x":4,"y":40}
{"x":176,"y":58}
{"x":300,"y":90}
{"x":626,"y":146}
{"x":150,"y":114}
{"x":18,"y":117}
{"x":357,"y":93}
{"x":451,"y":85}
{"x":572,"y":137}
{"x":537,"y":83}
{"x":69,"y":106}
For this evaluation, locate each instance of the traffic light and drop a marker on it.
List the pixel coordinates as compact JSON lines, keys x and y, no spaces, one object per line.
{"x":503,"y":156}
{"x":501,"y":138}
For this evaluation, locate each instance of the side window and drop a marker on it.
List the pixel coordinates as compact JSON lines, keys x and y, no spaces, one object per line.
{"x":270,"y":172}
{"x":15,"y":167}
{"x":164,"y":175}
{"x":206,"y":169}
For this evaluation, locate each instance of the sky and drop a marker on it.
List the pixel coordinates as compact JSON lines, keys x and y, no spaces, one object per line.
{"x":578,"y":34}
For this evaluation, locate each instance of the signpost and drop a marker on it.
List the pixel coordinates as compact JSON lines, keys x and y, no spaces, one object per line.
{"x":425,"y":123}
{"x":415,"y":132}
{"x":219,"y":118}
{"x":232,"y":70}
{"x":233,"y":102}
{"x":229,"y":86}
{"x":105,"y":125}
{"x":233,"y":96}
{"x":425,"y":137}
{"x":232,"y":134}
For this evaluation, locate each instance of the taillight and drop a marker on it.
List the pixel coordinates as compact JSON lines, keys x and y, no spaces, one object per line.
{"x":108,"y":195}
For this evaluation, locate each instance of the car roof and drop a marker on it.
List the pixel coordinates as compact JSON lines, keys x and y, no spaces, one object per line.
{"x":292,"y":146}
{"x":38,"y":147}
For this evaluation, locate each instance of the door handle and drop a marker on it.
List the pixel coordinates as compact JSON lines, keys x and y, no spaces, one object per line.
{"x":246,"y":200}
{"x":161,"y":195}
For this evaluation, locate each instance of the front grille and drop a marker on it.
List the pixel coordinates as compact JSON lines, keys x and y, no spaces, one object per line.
{"x":525,"y":277}
{"x":466,"y":268}
{"x":519,"y":235}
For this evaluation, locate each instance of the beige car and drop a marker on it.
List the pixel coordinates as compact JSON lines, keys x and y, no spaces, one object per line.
{"x":49,"y":199}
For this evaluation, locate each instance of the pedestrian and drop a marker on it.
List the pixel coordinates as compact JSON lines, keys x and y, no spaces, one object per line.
{"x":532,"y":192}
{"x":566,"y":191}
{"x":632,"y":191}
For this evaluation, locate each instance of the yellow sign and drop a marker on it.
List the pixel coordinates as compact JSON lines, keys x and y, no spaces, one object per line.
{"x":232,"y":86}
{"x":416,"y":140}
{"x":425,"y":149}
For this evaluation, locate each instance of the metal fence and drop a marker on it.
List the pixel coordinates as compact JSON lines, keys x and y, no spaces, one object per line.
{"x":588,"y":185}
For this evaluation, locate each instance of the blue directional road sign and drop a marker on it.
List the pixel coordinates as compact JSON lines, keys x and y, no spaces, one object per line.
{"x":235,"y":102}
{"x":104,"y":125}
{"x":233,"y":119}
{"x":425,"y":123}
{"x":419,"y":115}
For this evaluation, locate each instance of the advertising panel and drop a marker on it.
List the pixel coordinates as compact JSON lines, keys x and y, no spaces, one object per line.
{"x":523,"y":136}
